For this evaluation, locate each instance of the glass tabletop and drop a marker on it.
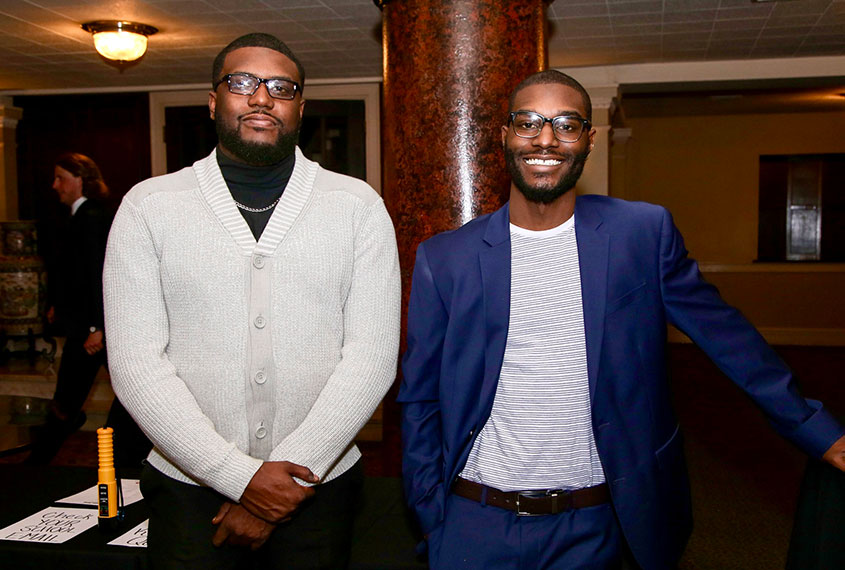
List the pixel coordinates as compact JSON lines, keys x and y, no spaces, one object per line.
{"x":18,"y":415}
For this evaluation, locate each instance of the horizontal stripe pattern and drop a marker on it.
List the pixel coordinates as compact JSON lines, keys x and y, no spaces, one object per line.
{"x":539,"y":434}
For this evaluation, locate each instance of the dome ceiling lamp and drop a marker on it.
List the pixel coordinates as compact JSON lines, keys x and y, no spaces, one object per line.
{"x":119,"y":40}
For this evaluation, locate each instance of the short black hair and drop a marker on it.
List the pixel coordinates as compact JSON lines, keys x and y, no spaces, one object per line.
{"x":256,"y":40}
{"x":553,"y":76}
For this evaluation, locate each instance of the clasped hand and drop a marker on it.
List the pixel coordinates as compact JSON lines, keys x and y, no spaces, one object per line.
{"x":270,"y":498}
{"x":238,"y":527}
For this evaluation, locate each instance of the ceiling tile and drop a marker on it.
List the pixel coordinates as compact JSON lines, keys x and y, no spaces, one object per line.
{"x":785,"y":32}
{"x":340,"y":38}
{"x":791,"y":21}
{"x":802,"y":7}
{"x":749,"y":24}
{"x":636,"y":19}
{"x":640,"y":30}
{"x":724,"y":35}
{"x":685,"y":27}
{"x":824,"y":40}
{"x":637,"y":7}
{"x":820,"y":50}
{"x":690,"y":5}
{"x":693,"y":16}
{"x":258,"y":16}
{"x":564,"y":10}
{"x":638,"y":41}
{"x":589,"y":43}
{"x":754,"y":11}
{"x":237,"y":5}
{"x":789,"y":44}
{"x":685,"y":55}
{"x":772,"y":52}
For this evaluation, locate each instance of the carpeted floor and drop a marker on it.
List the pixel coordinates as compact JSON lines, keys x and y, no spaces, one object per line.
{"x":744,"y":477}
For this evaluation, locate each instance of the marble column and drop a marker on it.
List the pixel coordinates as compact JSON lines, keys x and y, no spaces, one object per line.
{"x":449,"y":66}
{"x":9,"y":117}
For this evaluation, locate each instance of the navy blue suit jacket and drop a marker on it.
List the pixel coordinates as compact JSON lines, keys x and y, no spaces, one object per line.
{"x":635,"y":277}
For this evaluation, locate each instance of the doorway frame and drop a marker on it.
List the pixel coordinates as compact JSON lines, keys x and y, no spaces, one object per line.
{"x":368,"y":92}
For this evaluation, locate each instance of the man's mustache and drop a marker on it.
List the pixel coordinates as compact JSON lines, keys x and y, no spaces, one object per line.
{"x":544,"y":154}
{"x":263,"y":115}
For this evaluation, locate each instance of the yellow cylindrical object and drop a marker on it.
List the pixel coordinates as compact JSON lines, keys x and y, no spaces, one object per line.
{"x":106,"y":481}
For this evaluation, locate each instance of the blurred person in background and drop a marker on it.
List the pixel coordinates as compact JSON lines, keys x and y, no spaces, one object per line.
{"x":76,"y":297}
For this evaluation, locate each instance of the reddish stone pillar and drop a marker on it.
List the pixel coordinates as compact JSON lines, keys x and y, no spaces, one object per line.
{"x":449,"y":67}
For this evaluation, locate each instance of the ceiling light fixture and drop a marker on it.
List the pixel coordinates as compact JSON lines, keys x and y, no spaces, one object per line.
{"x":118,"y":40}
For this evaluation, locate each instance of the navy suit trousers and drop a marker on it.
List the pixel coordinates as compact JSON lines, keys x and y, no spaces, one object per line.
{"x":483,"y":537}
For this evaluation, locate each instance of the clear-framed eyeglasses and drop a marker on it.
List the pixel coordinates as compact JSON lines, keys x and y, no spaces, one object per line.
{"x":567,"y":128}
{"x":247,"y":84}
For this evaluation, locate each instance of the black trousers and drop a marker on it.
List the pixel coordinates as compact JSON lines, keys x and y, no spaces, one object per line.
{"x":77,"y":372}
{"x":180,"y":529}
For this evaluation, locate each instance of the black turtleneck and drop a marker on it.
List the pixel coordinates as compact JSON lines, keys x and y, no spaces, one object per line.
{"x":255,"y":186}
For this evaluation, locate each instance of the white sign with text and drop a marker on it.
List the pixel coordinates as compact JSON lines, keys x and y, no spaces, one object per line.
{"x":136,"y":537}
{"x":53,"y":525}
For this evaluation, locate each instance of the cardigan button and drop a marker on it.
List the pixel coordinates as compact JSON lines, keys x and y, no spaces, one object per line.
{"x":260,"y":377}
{"x":258,"y":261}
{"x":260,"y":322}
{"x":261,"y":432}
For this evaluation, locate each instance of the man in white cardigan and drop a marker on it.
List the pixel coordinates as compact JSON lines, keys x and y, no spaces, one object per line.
{"x":252,"y":313}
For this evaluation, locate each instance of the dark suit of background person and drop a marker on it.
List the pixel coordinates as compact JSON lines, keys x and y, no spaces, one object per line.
{"x":635,"y":276}
{"x":76,"y":297}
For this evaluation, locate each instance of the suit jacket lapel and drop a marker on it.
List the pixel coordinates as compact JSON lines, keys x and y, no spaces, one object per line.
{"x":593,"y":246}
{"x":495,"y":262}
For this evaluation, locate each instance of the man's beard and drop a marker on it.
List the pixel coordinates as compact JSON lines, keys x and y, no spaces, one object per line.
{"x":545,"y":194}
{"x":254,"y":153}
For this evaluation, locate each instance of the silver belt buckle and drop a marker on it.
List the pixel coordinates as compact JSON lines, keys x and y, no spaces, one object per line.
{"x":528,"y":495}
{"x":552,"y":493}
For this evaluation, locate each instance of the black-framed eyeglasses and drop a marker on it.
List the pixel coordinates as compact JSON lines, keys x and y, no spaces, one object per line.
{"x":247,"y":84}
{"x":567,"y":128}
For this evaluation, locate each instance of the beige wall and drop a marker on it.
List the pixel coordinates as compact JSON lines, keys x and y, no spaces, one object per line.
{"x":705,"y":169}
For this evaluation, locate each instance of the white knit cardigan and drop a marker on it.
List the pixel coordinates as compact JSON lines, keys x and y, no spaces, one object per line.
{"x":228,"y":352}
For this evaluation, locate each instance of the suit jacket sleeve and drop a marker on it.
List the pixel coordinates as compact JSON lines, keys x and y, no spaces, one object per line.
{"x":422,"y":439}
{"x":95,"y":231}
{"x":735,"y":346}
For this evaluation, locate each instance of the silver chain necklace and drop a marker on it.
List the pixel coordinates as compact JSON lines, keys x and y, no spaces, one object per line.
{"x":257,"y":210}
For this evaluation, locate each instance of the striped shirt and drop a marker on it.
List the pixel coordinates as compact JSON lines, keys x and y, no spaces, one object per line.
{"x":539,"y":434}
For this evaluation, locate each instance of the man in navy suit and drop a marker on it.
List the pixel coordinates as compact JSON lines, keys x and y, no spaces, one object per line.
{"x":535,"y":382}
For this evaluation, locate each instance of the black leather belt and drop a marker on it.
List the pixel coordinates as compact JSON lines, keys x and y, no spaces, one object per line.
{"x":550,"y":502}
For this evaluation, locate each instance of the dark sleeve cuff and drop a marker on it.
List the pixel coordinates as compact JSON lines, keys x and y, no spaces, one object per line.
{"x":818,"y":432}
